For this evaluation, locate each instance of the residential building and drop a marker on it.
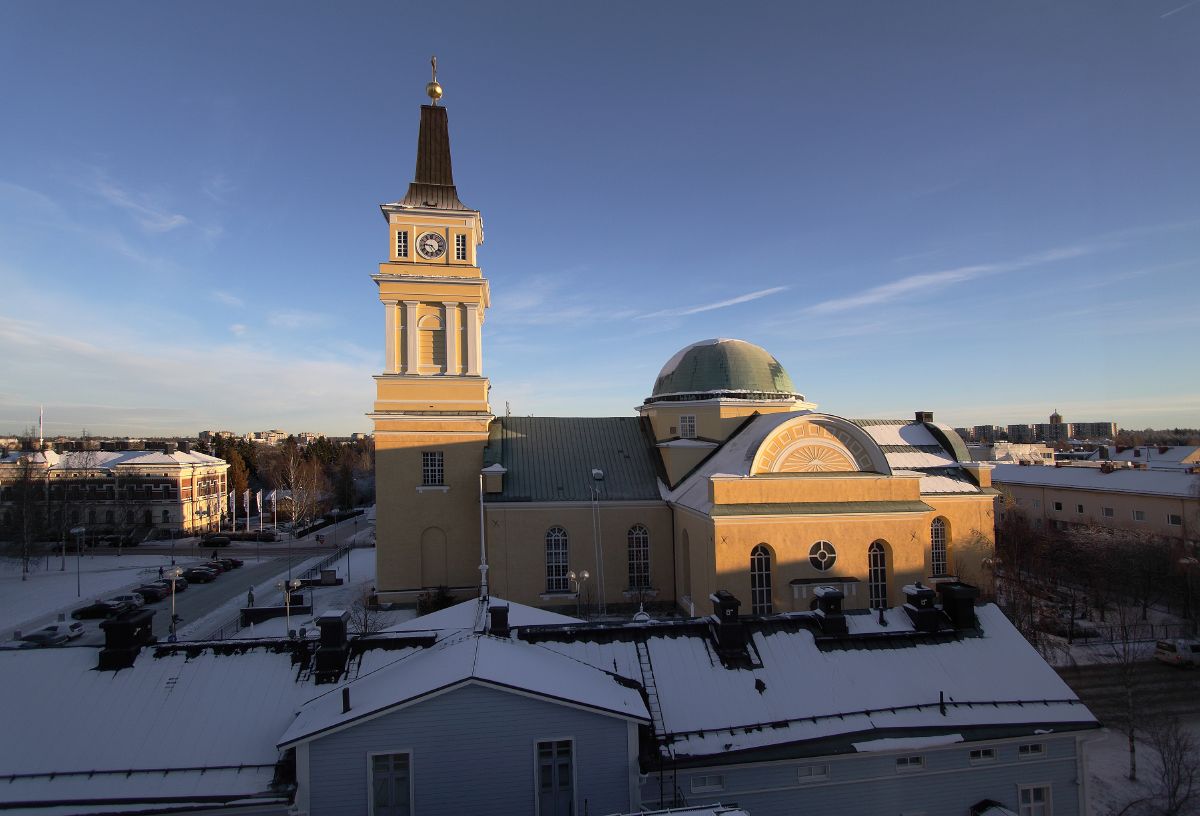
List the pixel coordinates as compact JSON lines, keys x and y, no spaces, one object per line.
{"x":1155,"y":457}
{"x":492,"y":706}
{"x":139,"y":494}
{"x":1013,"y":453}
{"x":728,"y":477}
{"x":208,"y":437}
{"x":272,"y":437}
{"x":1162,"y":503}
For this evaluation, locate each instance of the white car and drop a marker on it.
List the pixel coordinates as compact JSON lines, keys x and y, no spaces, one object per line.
{"x":135,"y":601}
{"x":1178,"y":652}
{"x":71,"y":630}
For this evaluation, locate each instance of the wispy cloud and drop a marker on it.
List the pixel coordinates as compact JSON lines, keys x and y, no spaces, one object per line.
{"x":229,"y":300}
{"x":721,"y":304}
{"x":217,"y":187}
{"x":296,"y":319}
{"x":238,"y":328}
{"x":931,"y":282}
{"x":149,"y":215}
{"x":1177,"y":10}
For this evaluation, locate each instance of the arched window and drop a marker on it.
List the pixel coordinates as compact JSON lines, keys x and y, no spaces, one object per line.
{"x":760,"y":580}
{"x":166,"y":517}
{"x":639,"y":557}
{"x":877,"y":575}
{"x":556,"y":560}
{"x":937,"y":546}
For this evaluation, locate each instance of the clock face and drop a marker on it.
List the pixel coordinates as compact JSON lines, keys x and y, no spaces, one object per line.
{"x":431,"y":245}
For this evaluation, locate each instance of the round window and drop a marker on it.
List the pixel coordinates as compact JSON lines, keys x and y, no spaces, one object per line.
{"x":822,"y":555}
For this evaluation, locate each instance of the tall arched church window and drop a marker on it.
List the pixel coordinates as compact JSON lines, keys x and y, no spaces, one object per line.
{"x":639,"y":557}
{"x":556,"y":560}
{"x":760,"y":580}
{"x":877,"y":575}
{"x":431,"y":336}
{"x":937,"y":546}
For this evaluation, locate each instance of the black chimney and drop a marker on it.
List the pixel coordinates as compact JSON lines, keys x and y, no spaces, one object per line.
{"x":124,"y":637}
{"x":924,"y":416}
{"x":958,"y":603}
{"x":345,"y":699}
{"x":333,"y":649}
{"x":499,"y":620}
{"x":920,"y":607}
{"x":829,"y":610}
{"x":731,"y":635}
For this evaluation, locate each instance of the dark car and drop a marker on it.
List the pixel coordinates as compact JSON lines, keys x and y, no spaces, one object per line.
{"x":152,"y":592}
{"x":216,"y":566}
{"x":215,"y":541}
{"x":200,"y":575}
{"x":45,"y":639}
{"x":181,"y":583}
{"x":230,"y":563}
{"x":99,"y":609}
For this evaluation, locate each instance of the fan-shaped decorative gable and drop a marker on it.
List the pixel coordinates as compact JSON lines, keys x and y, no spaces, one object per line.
{"x":818,"y":444}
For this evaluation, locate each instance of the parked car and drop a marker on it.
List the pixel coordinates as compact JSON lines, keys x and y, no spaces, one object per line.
{"x":1178,"y":652}
{"x":151,"y":592}
{"x":9,"y":645}
{"x":70,"y":630}
{"x":132,"y":599}
{"x":200,"y":575}
{"x":215,"y":541}
{"x":215,"y":566}
{"x":181,"y":583}
{"x":100,"y":609}
{"x":43,"y":638}
{"x":230,"y":563}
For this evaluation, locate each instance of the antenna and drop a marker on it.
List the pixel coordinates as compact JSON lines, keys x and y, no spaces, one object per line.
{"x":41,"y":426}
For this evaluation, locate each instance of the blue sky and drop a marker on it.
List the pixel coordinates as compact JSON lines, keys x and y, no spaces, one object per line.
{"x":986,"y":209}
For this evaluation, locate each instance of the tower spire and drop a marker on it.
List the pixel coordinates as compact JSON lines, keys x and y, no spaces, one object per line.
{"x":433,"y":181}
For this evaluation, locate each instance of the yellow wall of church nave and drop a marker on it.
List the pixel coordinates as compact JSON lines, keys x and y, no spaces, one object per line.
{"x":809,"y":487}
{"x":678,"y":462}
{"x":715,"y":419}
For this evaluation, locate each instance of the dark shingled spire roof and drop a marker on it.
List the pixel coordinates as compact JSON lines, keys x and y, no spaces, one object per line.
{"x":433,"y":182}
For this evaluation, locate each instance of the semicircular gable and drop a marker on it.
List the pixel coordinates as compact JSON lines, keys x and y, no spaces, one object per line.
{"x":819,"y":443}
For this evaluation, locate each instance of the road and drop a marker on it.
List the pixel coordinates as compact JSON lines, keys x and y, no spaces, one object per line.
{"x":1158,"y":688}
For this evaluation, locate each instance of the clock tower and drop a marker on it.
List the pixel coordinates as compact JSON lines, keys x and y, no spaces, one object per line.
{"x":431,"y":410}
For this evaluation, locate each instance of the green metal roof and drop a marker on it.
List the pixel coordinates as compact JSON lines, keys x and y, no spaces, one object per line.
{"x":721,"y":366}
{"x":819,"y":508}
{"x":552,"y":458}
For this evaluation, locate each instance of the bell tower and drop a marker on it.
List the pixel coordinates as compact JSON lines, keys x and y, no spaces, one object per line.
{"x":431,"y":410}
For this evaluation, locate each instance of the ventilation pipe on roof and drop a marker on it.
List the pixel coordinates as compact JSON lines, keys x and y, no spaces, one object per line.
{"x":345,"y":699}
{"x":924,"y":416}
{"x":829,"y":610}
{"x":919,"y":605}
{"x":124,"y":637}
{"x":958,"y":603}
{"x":499,"y":620}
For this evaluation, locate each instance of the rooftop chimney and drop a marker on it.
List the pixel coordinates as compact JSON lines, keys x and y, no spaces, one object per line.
{"x":333,"y":649}
{"x":958,"y":603}
{"x":919,"y":605}
{"x":124,"y":637}
{"x":345,"y":699}
{"x":731,"y":635}
{"x":499,"y":620}
{"x":924,"y":416}
{"x":829,"y":610}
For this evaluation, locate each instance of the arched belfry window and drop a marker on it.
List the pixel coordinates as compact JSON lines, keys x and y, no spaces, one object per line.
{"x":877,"y":575}
{"x":937,"y":547}
{"x":556,"y":560}
{"x":760,"y":580}
{"x":639,"y":557}
{"x":431,"y":336}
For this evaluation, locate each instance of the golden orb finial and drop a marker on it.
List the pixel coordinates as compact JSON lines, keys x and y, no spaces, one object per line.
{"x":433,"y":88}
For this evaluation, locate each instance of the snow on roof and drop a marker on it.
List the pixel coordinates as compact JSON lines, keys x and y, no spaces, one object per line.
{"x":812,"y":692}
{"x":1151,"y":454}
{"x":947,"y":483}
{"x":906,"y":743}
{"x":106,"y":460}
{"x":899,"y":432}
{"x":498,"y":662}
{"x":175,"y":712}
{"x":1124,"y":480}
{"x":466,"y":616}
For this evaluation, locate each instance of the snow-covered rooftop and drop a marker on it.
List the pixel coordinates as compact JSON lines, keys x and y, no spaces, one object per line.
{"x":1125,"y":480}
{"x":106,"y":460}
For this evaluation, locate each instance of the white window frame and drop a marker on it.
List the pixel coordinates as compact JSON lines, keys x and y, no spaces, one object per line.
{"x":985,"y":755}
{"x":1174,"y":520}
{"x":412,"y":805}
{"x":401,"y":243}
{"x":638,"y":546}
{"x":762,"y":596}
{"x":708,"y":783}
{"x":554,"y":582}
{"x":1107,"y":512}
{"x":460,"y":247}
{"x":877,"y":582}
{"x":939,"y":558}
{"x":911,"y":763}
{"x":433,"y":466}
{"x":687,"y":426}
{"x":1058,"y":506}
{"x":808,"y":774}
{"x":537,"y":797}
{"x":1024,"y":809}
{"x":822,"y":555}
{"x":1139,"y":515}
{"x":1031,"y":750}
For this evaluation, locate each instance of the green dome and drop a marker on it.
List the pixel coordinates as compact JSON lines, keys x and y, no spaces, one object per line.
{"x":732,"y":369}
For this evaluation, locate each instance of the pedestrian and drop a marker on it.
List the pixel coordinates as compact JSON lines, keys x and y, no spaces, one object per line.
{"x":250,"y":597}
{"x":160,"y":573}
{"x":214,"y":558}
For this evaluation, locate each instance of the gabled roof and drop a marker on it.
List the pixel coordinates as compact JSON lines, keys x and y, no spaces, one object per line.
{"x":497,"y":662}
{"x":552,"y":459}
{"x":470,"y":615}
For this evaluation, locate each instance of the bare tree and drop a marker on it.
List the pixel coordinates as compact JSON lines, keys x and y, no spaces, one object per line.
{"x":365,"y":616}
{"x":1126,"y":658}
{"x":25,"y":519}
{"x":303,"y":480}
{"x":1176,"y":766}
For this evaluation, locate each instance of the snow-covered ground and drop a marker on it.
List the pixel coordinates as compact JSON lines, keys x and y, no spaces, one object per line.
{"x":26,"y":605}
{"x":1109,"y":786}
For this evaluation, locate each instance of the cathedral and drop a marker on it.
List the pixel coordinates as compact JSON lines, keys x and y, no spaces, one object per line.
{"x":728,"y":478}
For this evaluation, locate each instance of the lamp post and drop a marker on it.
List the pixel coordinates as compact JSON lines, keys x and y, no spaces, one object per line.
{"x":174,"y":576}
{"x":288,"y":587}
{"x":78,"y":533}
{"x":578,"y":579}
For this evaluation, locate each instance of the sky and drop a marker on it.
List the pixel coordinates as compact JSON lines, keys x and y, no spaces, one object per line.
{"x":988,"y":210}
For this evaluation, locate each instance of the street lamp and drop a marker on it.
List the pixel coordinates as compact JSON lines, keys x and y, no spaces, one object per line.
{"x":174,"y":576}
{"x":288,"y":587}
{"x":78,"y":533}
{"x":578,"y":580}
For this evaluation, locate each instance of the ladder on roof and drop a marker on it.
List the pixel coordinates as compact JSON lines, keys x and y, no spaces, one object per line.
{"x":651,"y":689}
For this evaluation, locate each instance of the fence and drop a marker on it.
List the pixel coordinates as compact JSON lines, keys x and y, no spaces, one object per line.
{"x":1090,"y":633}
{"x":234,"y":625}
